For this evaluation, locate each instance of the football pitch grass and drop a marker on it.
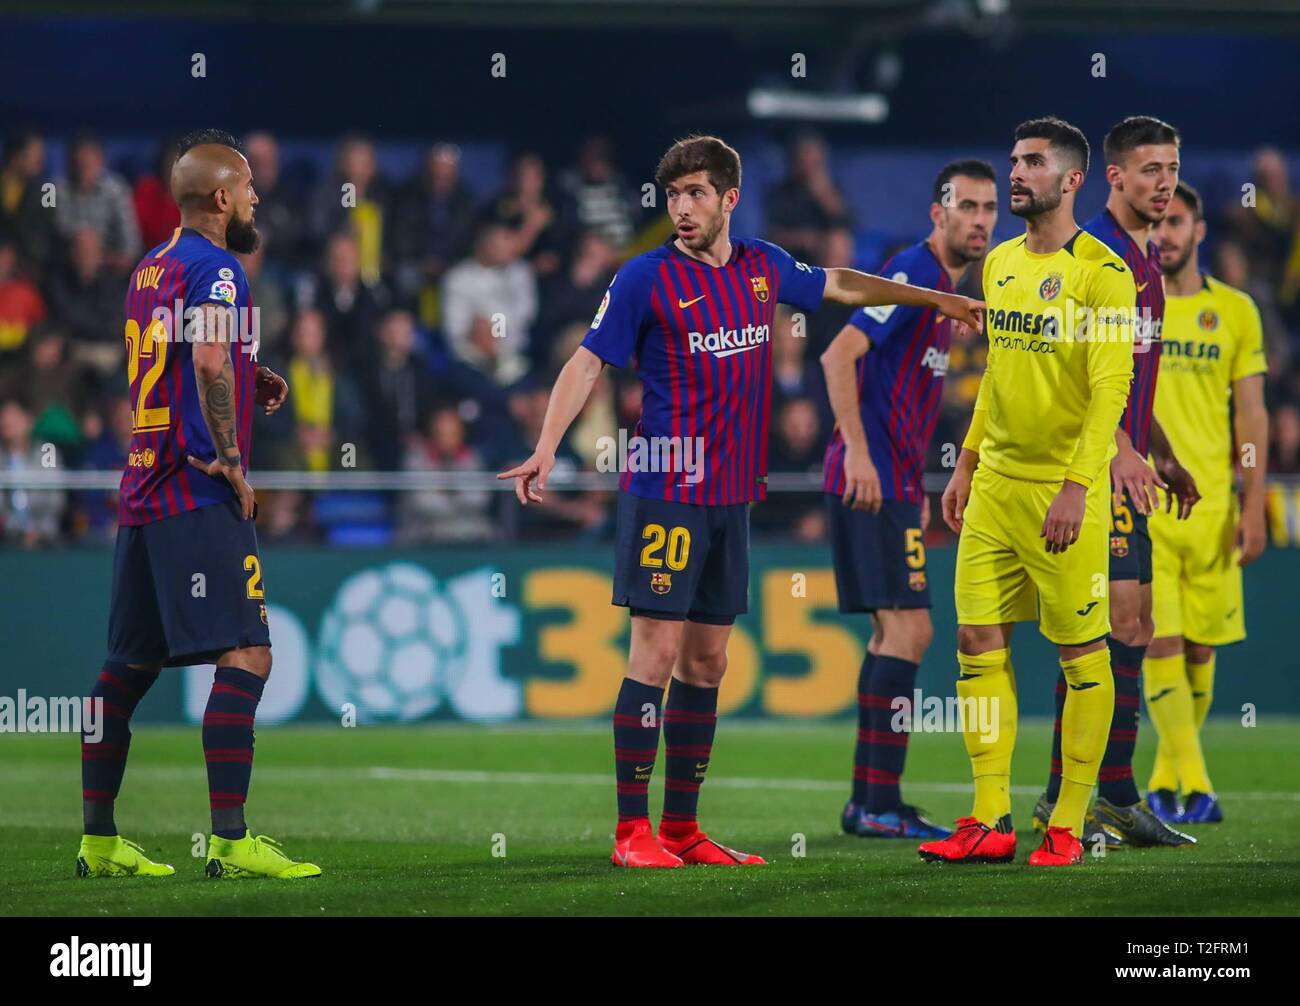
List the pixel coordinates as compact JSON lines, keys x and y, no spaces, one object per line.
{"x":414,"y":821}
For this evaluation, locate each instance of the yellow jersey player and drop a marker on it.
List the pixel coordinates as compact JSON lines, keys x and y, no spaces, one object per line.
{"x":1142,"y":162}
{"x":1030,"y":495}
{"x":1211,"y":392}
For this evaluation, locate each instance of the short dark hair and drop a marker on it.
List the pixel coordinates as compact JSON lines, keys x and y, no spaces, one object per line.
{"x":201,"y":136}
{"x":700,"y":153}
{"x":1136,"y":131}
{"x":1192,"y":198}
{"x":968,"y":167}
{"x":1060,"y":134}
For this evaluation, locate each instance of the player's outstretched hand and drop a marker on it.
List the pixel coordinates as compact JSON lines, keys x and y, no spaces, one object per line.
{"x":1182,"y":485}
{"x":1130,"y":473}
{"x":530,"y":477}
{"x":963,"y":309}
{"x":1252,"y":535}
{"x":272,"y":389}
{"x":861,"y":481}
{"x":235,"y":476}
{"x":954,"y":498}
{"x":1064,"y":517}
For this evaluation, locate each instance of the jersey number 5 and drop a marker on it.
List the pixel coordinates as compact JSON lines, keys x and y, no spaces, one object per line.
{"x":150,"y":345}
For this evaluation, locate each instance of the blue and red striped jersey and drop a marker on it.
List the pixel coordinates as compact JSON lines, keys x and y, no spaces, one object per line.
{"x":1136,"y":421}
{"x":171,"y":279}
{"x":900,"y":381}
{"x":702,"y":338}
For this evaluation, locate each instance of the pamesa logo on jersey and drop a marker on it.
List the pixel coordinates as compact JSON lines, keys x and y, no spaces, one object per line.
{"x":397,"y":645}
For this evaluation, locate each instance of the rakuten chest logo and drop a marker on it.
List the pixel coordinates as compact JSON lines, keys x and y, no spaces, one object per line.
{"x":934,"y":360}
{"x":729,"y":341}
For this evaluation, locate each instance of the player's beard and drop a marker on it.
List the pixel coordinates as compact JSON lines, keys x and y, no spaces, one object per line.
{"x":1178,"y":263}
{"x":242,"y":236}
{"x":706,"y":233}
{"x":1038,"y":205}
{"x":963,"y":255}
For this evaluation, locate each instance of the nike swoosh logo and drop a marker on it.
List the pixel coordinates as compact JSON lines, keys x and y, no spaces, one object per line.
{"x":1143,"y":286}
{"x":687,"y":303}
{"x":1004,"y":282}
{"x":621,"y":859}
{"x":1112,"y":265}
{"x":1159,"y":695}
{"x":743,"y":349}
{"x":645,"y":768}
{"x":701,"y":765}
{"x":1084,"y":611}
{"x":1083,"y":686}
{"x":967,"y":677}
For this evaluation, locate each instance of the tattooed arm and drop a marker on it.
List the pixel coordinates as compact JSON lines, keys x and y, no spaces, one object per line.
{"x":214,"y":376}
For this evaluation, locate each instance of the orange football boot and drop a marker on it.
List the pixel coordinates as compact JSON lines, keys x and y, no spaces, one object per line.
{"x":642,"y":849}
{"x":698,"y":849}
{"x":972,"y":842}
{"x":1059,"y":848}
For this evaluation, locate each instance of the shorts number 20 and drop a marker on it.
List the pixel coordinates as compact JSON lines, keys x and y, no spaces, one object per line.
{"x":678,"y":540}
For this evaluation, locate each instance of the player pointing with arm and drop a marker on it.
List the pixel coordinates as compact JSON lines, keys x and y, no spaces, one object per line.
{"x":696,"y":314}
{"x":1030,"y":494}
{"x":186,"y":516}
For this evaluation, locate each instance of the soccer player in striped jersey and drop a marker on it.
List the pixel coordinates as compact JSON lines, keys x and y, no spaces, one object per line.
{"x":187,"y":578}
{"x":697,"y":316}
{"x":1211,"y":400}
{"x":884,"y":375}
{"x":1142,"y":163}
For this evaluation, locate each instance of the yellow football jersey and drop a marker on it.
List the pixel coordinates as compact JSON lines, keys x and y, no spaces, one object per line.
{"x":1210,"y":340}
{"x":1060,"y":333}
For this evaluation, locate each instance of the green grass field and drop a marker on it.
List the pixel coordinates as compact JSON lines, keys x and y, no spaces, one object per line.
{"x":403,"y":823}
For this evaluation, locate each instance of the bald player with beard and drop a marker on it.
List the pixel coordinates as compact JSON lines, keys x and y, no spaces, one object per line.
{"x":186,"y":512}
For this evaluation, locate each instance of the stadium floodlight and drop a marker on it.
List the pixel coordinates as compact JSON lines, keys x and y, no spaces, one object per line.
{"x":767,"y":103}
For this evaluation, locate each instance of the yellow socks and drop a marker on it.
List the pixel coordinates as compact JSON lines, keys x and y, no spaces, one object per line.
{"x":1201,"y":679}
{"x":989,"y":680}
{"x":1170,"y":706}
{"x":1085,"y":728}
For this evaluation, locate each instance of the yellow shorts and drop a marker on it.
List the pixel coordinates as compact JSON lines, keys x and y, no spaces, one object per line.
{"x":1196,"y":582}
{"x":1006,"y":574}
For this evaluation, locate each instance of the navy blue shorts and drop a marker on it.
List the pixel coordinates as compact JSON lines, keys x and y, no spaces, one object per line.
{"x":163,"y":611}
{"x":879,"y":557}
{"x":1130,"y":543}
{"x":682,"y":560}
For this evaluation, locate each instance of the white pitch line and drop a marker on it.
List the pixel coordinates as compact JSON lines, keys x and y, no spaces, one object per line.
{"x":721,"y":782}
{"x":480,"y":777}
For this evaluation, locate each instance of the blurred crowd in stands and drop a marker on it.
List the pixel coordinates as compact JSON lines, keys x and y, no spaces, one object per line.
{"x":420,"y":328}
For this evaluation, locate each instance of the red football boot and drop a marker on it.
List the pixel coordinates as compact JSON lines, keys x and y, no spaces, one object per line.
{"x":972,"y":842}
{"x":697,"y":849}
{"x":641,"y":848}
{"x":1059,"y":848}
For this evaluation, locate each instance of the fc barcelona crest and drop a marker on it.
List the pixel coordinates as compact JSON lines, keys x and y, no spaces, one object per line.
{"x":1119,"y":545}
{"x":759,"y":283}
{"x":661,"y":583}
{"x":916,"y":580}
